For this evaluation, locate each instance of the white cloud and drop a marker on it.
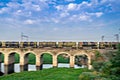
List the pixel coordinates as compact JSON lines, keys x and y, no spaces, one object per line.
{"x":86,"y":3}
{"x":36,"y":8}
{"x":64,"y":14}
{"x":55,"y":20}
{"x":83,"y":5}
{"x":18,"y":12}
{"x":3,"y":10}
{"x":72,"y":6}
{"x":59,"y":7}
{"x":13,"y":5}
{"x":99,"y":14}
{"x":81,"y":17}
{"x":96,"y":14}
{"x":29,"y":21}
{"x":84,"y":17}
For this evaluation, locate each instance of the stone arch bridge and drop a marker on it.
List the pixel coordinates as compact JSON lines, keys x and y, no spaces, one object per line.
{"x":38,"y":52}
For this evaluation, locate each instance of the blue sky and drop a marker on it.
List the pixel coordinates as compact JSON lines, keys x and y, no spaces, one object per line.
{"x":65,"y":20}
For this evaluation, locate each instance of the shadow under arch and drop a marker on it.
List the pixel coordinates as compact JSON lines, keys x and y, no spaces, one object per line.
{"x":29,"y":58}
{"x":82,"y":59}
{"x":1,"y":61}
{"x":63,"y":59}
{"x":13,"y":58}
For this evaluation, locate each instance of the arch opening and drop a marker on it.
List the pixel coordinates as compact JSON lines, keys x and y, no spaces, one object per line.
{"x":63,"y":59}
{"x":29,"y":62}
{"x":1,"y":64}
{"x":46,"y":60}
{"x":81,"y":60}
{"x":12,"y":67}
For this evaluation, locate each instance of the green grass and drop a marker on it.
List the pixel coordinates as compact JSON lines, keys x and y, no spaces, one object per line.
{"x":46,"y":74}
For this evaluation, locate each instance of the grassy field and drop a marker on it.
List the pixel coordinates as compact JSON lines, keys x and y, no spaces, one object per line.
{"x":46,"y":74}
{"x":47,"y":59}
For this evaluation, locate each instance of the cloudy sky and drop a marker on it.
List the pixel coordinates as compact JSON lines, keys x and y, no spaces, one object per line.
{"x":82,"y":20}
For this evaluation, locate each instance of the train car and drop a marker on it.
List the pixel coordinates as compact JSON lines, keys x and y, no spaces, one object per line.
{"x":83,"y":45}
{"x":28,"y":44}
{"x":24,"y":44}
{"x":106,"y":45}
{"x":14,"y":44}
{"x":114,"y":45}
{"x":101,"y":45}
{"x":10,"y":44}
{"x":7,"y":44}
{"x":33,"y":44}
{"x":47,"y":44}
{"x":87,"y":45}
{"x":94,"y":45}
{"x":66,"y":44}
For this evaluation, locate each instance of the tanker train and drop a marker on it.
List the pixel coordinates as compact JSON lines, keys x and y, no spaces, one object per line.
{"x":73,"y":45}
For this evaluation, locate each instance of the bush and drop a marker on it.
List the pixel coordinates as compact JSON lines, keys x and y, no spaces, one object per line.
{"x":97,"y":65}
{"x":87,"y":76}
{"x":92,"y":76}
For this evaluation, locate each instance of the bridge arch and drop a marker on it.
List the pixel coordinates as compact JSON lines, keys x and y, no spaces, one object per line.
{"x":63,"y":56}
{"x":63,"y":53}
{"x":46,"y":53}
{"x":1,"y":60}
{"x":28,"y":52}
{"x":46,"y":57}
{"x":82,"y":53}
{"x":12,"y":57}
{"x":88,"y":58}
{"x":26,"y":56}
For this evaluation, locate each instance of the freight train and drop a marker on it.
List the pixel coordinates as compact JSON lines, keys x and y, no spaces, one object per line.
{"x":73,"y":45}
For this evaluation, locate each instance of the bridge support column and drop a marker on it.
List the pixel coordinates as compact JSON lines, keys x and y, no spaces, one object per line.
{"x":6,"y":61}
{"x":89,"y":63}
{"x":9,"y":64}
{"x":23,"y":66}
{"x":55,"y":64}
{"x":72,"y":61}
{"x":39,"y":63}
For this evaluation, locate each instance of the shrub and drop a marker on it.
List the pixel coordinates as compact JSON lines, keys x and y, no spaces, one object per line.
{"x":87,"y":76}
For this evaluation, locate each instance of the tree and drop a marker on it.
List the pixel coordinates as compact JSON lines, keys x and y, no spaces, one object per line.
{"x":115,"y":67}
